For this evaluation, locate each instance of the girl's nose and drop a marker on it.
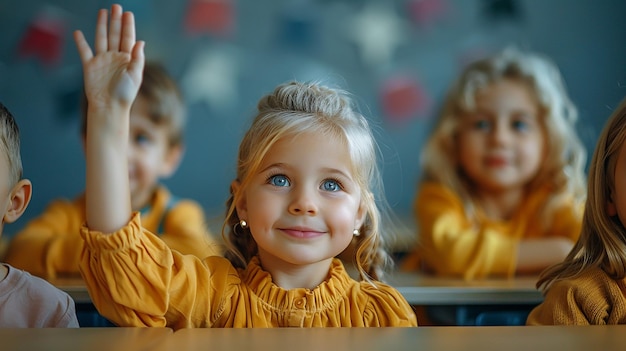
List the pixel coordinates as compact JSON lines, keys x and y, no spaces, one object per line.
{"x":500,"y":133}
{"x":303,"y":202}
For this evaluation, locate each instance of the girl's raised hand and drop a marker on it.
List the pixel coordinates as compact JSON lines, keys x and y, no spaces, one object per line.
{"x":113,"y":75}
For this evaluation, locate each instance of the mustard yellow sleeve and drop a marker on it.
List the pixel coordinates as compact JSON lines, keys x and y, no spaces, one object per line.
{"x":386,"y":307}
{"x":135,"y":279}
{"x":449,"y":243}
{"x":50,"y":244}
{"x":571,"y":302}
{"x":185,"y":230}
{"x":567,"y":222}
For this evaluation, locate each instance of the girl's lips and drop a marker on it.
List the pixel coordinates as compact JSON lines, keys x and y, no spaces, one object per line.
{"x":301,"y":233}
{"x":496,"y":161}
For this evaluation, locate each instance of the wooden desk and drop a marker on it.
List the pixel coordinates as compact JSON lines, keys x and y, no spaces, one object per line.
{"x":419,"y":289}
{"x":93,"y":339}
{"x":606,"y":338}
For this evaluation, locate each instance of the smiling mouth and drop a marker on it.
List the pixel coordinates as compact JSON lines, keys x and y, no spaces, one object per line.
{"x":496,"y":162}
{"x":301,"y":233}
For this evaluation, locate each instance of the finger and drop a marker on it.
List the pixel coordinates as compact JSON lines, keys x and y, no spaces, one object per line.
{"x":115,"y":27}
{"x":137,"y":58}
{"x":101,"y":32}
{"x":128,"y":32}
{"x":83,"y":47}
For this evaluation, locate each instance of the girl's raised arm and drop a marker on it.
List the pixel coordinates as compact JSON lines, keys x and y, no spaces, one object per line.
{"x":112,"y":77}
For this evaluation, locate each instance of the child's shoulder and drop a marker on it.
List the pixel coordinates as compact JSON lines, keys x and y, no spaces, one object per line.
{"x":31,"y":289}
{"x":165,"y":198}
{"x":380,"y":294}
{"x":376,"y":288}
{"x":591,"y":283}
{"x":35,"y":302}
{"x":385,"y":302}
{"x":431,"y":196}
{"x":428,"y":186}
{"x":430,"y":189}
{"x":177,"y":210}
{"x":63,"y":204}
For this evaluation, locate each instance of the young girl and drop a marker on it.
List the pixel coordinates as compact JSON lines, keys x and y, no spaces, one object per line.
{"x":588,"y":286}
{"x":503,"y":180}
{"x":301,"y":196}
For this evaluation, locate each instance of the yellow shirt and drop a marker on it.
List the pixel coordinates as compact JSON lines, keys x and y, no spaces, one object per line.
{"x":590,"y":298}
{"x":136,"y":280}
{"x":50,"y":244}
{"x":452,"y":244}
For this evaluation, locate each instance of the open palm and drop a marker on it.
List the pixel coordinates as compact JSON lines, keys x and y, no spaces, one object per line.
{"x":113,"y":75}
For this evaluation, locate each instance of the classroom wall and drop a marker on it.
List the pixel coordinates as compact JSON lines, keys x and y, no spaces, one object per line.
{"x":224,"y":68}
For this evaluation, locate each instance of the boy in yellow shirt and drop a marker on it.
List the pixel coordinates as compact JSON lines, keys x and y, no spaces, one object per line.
{"x":50,"y":245}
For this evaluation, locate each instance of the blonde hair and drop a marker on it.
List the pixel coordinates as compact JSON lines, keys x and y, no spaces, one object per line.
{"x":163,"y":98}
{"x":563,"y":166}
{"x":602,"y":241}
{"x":10,"y":141}
{"x":294,"y":108}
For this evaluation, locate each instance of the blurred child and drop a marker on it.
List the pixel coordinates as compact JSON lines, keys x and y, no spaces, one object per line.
{"x":50,"y":245}
{"x":588,"y":286}
{"x":25,"y":301}
{"x":301,"y":196}
{"x":503,"y":184}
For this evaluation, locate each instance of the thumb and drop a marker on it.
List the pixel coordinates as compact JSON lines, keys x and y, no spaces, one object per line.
{"x":137,"y":59}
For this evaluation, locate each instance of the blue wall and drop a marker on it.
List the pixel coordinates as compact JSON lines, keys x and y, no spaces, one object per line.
{"x":584,"y":37}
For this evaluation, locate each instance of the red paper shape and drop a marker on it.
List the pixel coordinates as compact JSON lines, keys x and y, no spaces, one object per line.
{"x":426,"y":12}
{"x":43,"y":39}
{"x":402,"y":98}
{"x":210,"y":16}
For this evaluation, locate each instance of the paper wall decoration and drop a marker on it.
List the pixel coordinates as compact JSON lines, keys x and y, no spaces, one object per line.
{"x":215,"y":17}
{"x":377,"y":31}
{"x":426,"y":12}
{"x":212,"y":78}
{"x":402,"y":98}
{"x":44,"y":36}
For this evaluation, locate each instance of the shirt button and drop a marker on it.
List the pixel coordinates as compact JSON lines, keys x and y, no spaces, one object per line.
{"x":300,"y":303}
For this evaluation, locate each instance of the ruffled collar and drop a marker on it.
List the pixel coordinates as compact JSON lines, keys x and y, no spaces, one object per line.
{"x":325,"y":296}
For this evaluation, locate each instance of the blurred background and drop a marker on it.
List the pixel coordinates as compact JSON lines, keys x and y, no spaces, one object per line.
{"x":397,"y":58}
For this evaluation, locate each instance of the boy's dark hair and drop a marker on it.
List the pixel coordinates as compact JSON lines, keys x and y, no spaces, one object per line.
{"x":164,"y":100}
{"x":10,"y":138}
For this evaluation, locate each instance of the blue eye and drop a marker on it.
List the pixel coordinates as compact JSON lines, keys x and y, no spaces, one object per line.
{"x":279,"y":180}
{"x":331,"y":185}
{"x":520,"y":125}
{"x":482,"y":124}
{"x":142,"y":138}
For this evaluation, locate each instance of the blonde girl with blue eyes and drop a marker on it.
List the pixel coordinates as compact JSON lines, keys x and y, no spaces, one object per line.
{"x":301,"y":197}
{"x":503,"y":183}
